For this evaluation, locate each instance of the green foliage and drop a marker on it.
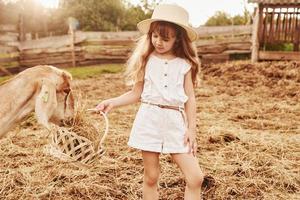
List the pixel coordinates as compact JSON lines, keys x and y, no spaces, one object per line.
{"x":238,"y":20}
{"x":133,"y":15}
{"x":221,"y":18}
{"x":243,"y":56}
{"x":93,"y":15}
{"x":103,"y":15}
{"x":149,"y":7}
{"x":4,"y":78}
{"x":57,"y":22}
{"x":279,"y":47}
{"x":93,"y":71}
{"x":87,"y":72}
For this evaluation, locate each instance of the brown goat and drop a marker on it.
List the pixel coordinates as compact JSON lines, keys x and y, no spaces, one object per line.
{"x":43,"y":89}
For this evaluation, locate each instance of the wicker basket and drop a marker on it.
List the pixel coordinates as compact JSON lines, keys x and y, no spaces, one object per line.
{"x":69,"y":146}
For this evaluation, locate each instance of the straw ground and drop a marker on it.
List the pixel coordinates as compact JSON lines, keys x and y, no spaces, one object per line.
{"x":248,"y":119}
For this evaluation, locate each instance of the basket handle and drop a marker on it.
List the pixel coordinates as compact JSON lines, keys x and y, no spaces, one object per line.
{"x":106,"y":127}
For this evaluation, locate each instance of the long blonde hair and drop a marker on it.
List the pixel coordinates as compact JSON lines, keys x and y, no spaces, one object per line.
{"x":183,"y":48}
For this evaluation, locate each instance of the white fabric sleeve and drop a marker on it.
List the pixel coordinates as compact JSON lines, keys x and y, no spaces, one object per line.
{"x":185,"y":67}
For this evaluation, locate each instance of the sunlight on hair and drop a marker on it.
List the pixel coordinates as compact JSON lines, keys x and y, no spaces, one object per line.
{"x":134,"y":64}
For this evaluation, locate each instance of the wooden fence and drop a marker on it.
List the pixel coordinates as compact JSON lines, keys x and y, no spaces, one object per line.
{"x":9,"y":43}
{"x":219,"y":43}
{"x":215,"y":44}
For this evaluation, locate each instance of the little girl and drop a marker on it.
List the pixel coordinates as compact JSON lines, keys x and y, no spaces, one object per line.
{"x":163,"y":69}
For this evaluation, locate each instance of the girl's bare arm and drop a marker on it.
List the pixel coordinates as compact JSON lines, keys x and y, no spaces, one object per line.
{"x":130,"y":97}
{"x":190,"y":105}
{"x":190,"y":109}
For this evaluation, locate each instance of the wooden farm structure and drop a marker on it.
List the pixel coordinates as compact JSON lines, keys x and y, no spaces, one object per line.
{"x":276,"y":22}
{"x":215,"y":44}
{"x":9,"y":52}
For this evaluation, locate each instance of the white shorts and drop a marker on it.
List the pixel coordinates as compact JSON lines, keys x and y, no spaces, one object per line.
{"x":158,"y":129}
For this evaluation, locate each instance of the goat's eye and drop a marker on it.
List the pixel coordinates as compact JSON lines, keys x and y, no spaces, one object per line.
{"x":67,"y":90}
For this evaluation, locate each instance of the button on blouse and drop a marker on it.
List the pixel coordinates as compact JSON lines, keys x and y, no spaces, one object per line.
{"x":164,"y":80}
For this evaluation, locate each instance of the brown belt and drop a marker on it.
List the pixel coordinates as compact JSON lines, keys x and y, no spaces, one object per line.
{"x":164,"y":106}
{"x":178,"y":108}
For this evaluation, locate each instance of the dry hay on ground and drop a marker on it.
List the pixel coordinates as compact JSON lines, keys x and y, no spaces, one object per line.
{"x":248,"y":119}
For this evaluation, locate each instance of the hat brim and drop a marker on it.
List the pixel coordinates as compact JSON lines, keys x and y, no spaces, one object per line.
{"x":144,"y":27}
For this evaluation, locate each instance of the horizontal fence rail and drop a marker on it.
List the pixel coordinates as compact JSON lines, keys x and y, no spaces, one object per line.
{"x":214,"y":44}
{"x":9,"y":47}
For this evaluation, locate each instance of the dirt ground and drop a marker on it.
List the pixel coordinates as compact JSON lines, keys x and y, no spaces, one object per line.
{"x":248,"y":131}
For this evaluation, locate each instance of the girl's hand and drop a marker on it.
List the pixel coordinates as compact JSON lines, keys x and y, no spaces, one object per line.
{"x":190,"y":140}
{"x":106,"y":105}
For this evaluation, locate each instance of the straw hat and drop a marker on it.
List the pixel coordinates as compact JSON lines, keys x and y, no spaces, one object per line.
{"x":170,"y":13}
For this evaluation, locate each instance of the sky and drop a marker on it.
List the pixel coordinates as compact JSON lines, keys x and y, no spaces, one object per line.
{"x":199,"y":10}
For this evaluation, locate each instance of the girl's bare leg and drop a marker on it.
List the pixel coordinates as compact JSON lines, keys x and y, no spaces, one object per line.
{"x":151,"y":175}
{"x":193,"y":175}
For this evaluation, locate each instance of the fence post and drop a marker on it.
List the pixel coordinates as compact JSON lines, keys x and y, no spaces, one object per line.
{"x":21,"y":28}
{"x":72,"y":34}
{"x":255,"y":38}
{"x":73,"y":24}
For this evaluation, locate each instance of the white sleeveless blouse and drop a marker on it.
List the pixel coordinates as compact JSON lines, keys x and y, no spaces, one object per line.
{"x":163,"y":82}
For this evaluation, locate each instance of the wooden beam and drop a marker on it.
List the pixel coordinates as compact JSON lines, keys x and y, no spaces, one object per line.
{"x":21,"y":28}
{"x":278,"y":27}
{"x":13,"y":59}
{"x":229,"y":52}
{"x":265,"y":27}
{"x":287,"y":5}
{"x":260,"y":24}
{"x":8,"y":27}
{"x":8,"y":37}
{"x":271,"y":31}
{"x":5,"y":71}
{"x":285,"y":25}
{"x":255,"y":35}
{"x":279,"y":55}
{"x":7,"y":49}
{"x":120,"y":42}
{"x":214,"y":58}
{"x":297,"y":34}
{"x":65,"y":49}
{"x":72,"y":35}
{"x":208,"y":31}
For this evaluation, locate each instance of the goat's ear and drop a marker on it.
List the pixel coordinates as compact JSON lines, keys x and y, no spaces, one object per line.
{"x":65,"y":86}
{"x":66,"y":75}
{"x":46,"y":102}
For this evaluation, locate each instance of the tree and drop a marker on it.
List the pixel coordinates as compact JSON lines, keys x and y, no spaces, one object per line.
{"x":133,"y":15}
{"x":221,"y":18}
{"x":242,"y":19}
{"x":35,"y":15}
{"x":103,"y":15}
{"x":95,"y":15}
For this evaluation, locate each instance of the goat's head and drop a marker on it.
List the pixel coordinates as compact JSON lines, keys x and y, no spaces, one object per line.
{"x":55,"y":101}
